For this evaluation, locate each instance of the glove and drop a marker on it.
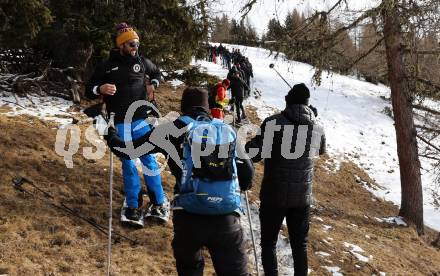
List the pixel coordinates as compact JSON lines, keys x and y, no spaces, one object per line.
{"x":315,"y":111}
{"x":111,"y":132}
{"x":232,"y":101}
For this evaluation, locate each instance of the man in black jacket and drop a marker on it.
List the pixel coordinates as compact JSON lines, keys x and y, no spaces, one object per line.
{"x":237,"y":86}
{"x":221,"y":234}
{"x":286,"y":190}
{"x":126,"y":78}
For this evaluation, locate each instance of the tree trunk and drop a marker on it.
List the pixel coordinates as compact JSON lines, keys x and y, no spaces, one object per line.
{"x":412,"y":198}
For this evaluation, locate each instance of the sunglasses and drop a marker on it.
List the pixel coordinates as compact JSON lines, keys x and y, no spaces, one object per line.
{"x":133,"y":44}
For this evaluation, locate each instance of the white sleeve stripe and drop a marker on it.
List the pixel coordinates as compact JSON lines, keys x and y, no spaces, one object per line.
{"x":95,"y":90}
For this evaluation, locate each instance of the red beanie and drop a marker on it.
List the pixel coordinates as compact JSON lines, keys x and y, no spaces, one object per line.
{"x":226,"y":82}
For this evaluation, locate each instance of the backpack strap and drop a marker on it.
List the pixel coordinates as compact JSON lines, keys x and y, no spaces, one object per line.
{"x":186,"y":119}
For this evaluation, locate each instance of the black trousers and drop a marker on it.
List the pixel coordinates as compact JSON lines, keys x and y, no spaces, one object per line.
{"x":297,"y":220}
{"x":239,"y":107}
{"x":222,"y":235}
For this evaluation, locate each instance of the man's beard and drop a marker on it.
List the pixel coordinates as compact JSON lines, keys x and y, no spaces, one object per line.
{"x":129,"y":52}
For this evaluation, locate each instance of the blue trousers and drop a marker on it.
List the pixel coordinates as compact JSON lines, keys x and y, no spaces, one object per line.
{"x":132,"y":185}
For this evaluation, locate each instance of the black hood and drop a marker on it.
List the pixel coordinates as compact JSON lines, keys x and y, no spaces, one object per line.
{"x":299,"y":114}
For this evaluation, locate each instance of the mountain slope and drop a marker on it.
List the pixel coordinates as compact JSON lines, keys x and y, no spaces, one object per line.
{"x":37,"y":239}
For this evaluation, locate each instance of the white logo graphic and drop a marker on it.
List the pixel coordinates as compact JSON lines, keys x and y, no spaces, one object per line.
{"x":136,"y":68}
{"x":215,"y":199}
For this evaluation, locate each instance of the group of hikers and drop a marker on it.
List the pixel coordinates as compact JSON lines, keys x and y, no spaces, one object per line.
{"x":210,"y":165}
{"x":238,"y":81}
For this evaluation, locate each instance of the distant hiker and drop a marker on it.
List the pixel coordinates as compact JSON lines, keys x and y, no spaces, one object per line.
{"x":218,"y":99}
{"x":124,"y":78}
{"x":237,"y":90}
{"x":286,"y":190}
{"x":207,"y":200}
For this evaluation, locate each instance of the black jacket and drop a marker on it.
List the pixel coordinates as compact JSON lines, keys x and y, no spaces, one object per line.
{"x":287,"y":180}
{"x":238,"y":84}
{"x":129,"y":75}
{"x":245,"y":169}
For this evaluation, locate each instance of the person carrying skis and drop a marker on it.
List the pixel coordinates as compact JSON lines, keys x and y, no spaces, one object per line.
{"x":286,"y":190}
{"x":218,"y":99}
{"x":206,"y":207}
{"x":123,"y":79}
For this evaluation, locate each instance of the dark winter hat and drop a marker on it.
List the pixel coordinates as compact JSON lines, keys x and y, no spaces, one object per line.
{"x":124,"y":33}
{"x":194,"y":97}
{"x":299,"y":94}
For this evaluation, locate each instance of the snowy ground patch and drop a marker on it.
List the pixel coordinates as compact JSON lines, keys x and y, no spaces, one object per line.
{"x":353,"y":114}
{"x":46,"y":108}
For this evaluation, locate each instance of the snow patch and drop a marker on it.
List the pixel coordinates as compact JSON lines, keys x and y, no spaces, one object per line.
{"x":45,"y":108}
{"x":175,"y":83}
{"x":334,"y":270}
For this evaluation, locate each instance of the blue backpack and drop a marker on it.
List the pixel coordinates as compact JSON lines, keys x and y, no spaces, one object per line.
{"x":209,"y":182}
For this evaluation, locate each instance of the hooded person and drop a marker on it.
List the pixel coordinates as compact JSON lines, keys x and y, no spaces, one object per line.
{"x":110,"y":81}
{"x":194,"y":229}
{"x":286,"y":189}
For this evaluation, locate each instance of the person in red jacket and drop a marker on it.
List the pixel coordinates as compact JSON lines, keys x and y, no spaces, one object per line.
{"x":218,"y":100}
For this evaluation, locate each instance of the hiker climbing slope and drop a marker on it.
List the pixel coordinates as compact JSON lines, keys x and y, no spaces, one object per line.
{"x":286,"y":190}
{"x":207,"y":204}
{"x":124,"y":78}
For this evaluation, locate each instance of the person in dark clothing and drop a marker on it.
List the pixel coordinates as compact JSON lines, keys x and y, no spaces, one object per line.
{"x":221,"y":234}
{"x":286,"y":190}
{"x":237,"y":87}
{"x":123,"y":79}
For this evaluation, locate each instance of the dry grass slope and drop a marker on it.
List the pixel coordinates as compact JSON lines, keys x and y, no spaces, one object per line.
{"x":37,"y":239}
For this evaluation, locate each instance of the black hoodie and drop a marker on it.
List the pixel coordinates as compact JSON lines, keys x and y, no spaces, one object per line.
{"x":129,"y":75}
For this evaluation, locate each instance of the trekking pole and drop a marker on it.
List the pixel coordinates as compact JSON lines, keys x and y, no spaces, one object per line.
{"x":111,"y":123}
{"x":272,"y":66}
{"x":233,"y":114}
{"x":252,"y":232}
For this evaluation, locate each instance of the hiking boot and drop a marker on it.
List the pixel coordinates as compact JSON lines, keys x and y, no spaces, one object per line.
{"x":160,"y":213}
{"x":132,"y":214}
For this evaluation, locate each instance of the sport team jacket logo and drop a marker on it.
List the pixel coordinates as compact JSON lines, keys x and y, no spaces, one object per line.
{"x":136,"y":68}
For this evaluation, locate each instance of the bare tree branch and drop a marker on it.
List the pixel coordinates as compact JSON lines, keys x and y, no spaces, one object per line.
{"x":429,"y":83}
{"x":429,"y":157}
{"x":428,"y":143}
{"x":247,"y":8}
{"x":365,"y":54}
{"x":427,"y":109}
{"x":428,"y":128}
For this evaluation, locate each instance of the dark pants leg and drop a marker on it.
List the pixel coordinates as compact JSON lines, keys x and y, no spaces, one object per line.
{"x":221,"y":234}
{"x":187,"y":248}
{"x":270,"y":220}
{"x":228,"y":255}
{"x":297,"y":219}
{"x":298,"y":224}
{"x":240,"y":108}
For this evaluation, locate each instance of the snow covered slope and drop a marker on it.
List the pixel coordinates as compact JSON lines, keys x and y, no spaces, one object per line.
{"x":353,"y":113}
